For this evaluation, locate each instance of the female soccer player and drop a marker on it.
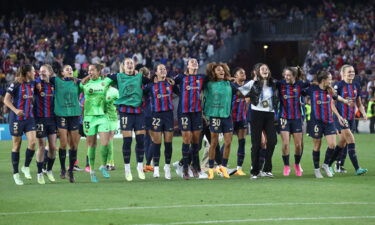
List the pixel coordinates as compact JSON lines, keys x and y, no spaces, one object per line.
{"x":111,"y":111}
{"x":190,"y":114}
{"x":218,"y":94}
{"x":239,"y":110}
{"x":322,"y":120}
{"x":264,"y":99}
{"x":290,"y":114}
{"x":130,"y":108}
{"x":348,"y":90}
{"x":95,"y":121}
{"x":161,"y":99}
{"x":19,"y":99}
{"x":45,"y":121}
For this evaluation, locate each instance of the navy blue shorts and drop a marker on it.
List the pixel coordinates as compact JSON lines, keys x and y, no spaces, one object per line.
{"x":239,"y":125}
{"x":349,"y":124}
{"x":221,"y":125}
{"x":69,"y":122}
{"x":291,"y":126}
{"x":190,"y":121}
{"x":148,"y":122}
{"x":19,"y":127}
{"x":162,"y":121}
{"x":318,"y":128}
{"x":132,"y":121}
{"x":45,"y":126}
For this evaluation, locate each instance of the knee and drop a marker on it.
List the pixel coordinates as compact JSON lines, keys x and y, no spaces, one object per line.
{"x":32,"y":144}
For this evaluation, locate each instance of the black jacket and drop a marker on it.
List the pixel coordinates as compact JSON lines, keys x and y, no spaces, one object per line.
{"x":256,"y":91}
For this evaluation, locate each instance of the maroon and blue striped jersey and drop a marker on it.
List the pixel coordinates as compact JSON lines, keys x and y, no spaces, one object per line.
{"x":350,"y":92}
{"x":23,"y":96}
{"x":320,"y":104}
{"x":161,"y":96}
{"x":44,"y":100}
{"x":190,"y":87}
{"x":239,"y":107}
{"x":290,"y":99}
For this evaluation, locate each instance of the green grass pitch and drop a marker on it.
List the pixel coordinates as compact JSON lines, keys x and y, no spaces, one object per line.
{"x":343,"y":199}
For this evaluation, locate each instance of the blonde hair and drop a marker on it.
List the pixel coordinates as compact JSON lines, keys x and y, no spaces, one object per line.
{"x":343,"y":68}
{"x":49,"y":68}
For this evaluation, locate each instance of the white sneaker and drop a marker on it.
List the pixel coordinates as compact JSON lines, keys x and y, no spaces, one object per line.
{"x":141,"y":174}
{"x":202,"y":175}
{"x":156,"y":172}
{"x":191,"y":175}
{"x":17,"y":179}
{"x":326,"y":169}
{"x":265,"y":174}
{"x":26,"y":172}
{"x":50,"y":176}
{"x":167,"y":172}
{"x":40,"y":178}
{"x":178,"y":168}
{"x":253,"y":177}
{"x":128,"y":173}
{"x":317,"y":173}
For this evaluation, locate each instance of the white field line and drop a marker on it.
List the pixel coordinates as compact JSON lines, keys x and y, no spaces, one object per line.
{"x":268,"y":220}
{"x":184,"y":206}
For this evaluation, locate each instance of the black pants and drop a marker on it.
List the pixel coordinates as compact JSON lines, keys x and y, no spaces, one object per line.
{"x":262,"y":121}
{"x":372,"y":124}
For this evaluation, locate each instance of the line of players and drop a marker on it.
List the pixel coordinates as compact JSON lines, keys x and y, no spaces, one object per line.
{"x":215,"y":100}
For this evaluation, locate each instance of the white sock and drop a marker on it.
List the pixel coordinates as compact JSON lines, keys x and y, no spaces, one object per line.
{"x":239,"y":167}
{"x":127,"y":167}
{"x":140,"y":165}
{"x":167,"y":165}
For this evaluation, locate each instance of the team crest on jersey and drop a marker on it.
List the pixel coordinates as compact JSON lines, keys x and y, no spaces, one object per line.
{"x":197,"y":81}
{"x":238,"y":100}
{"x":24,"y":97}
{"x":188,"y":87}
{"x":158,"y":96}
{"x":42,"y":94}
{"x":319,"y":102}
{"x":285,"y":96}
{"x":129,"y":88}
{"x":91,"y":90}
{"x":295,"y":89}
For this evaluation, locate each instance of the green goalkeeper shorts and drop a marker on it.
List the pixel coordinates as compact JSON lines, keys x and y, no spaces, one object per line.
{"x":92,"y":125}
{"x":113,"y":125}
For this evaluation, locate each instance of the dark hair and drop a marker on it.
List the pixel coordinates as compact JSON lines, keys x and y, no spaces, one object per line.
{"x":321,"y":75}
{"x":256,"y":70}
{"x":210,"y":71}
{"x":22,"y":72}
{"x":98,"y":67}
{"x":297,"y":72}
{"x":236,"y":70}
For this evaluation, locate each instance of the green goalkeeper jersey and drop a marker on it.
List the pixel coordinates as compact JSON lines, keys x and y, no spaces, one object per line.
{"x":95,"y":94}
{"x":110,"y":108}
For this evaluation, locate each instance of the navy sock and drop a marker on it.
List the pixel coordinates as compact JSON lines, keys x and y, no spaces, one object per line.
{"x":140,"y":147}
{"x":45,"y":159}
{"x":328,"y":155}
{"x":286,"y":160}
{"x":126,"y":149}
{"x":353,"y":155}
{"x":225,"y":162}
{"x":241,"y":152}
{"x":15,"y":161}
{"x":50,"y":163}
{"x":62,"y":157}
{"x":297,"y":159}
{"x":335,"y":155}
{"x":29,"y":156}
{"x":39,"y":165}
{"x":211,"y":163}
{"x":148,"y":149}
{"x":316,"y":158}
{"x":262,"y":158}
{"x":168,"y":152}
{"x":72,"y":159}
{"x":195,"y":155}
{"x":156,"y":150}
{"x":218,"y":155}
{"x":186,"y":155}
{"x":343,"y":155}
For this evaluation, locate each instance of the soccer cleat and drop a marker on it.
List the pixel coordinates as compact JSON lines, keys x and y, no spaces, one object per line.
{"x":298,"y":170}
{"x":156,"y":172}
{"x":317,"y":173}
{"x":93,"y":177}
{"x":331,"y":169}
{"x":104,"y":171}
{"x":87,"y":169}
{"x":71,"y":177}
{"x":211,"y":173}
{"x":62,"y":174}
{"x":361,"y":171}
{"x":265,"y":174}
{"x":17,"y":179}
{"x":141,"y":174}
{"x":240,"y":172}
{"x":185,"y":174}
{"x":325,"y":167}
{"x":190,"y":172}
{"x":148,"y":169}
{"x":50,"y":176}
{"x":300,"y":167}
{"x":178,"y":168}
{"x":202,"y":175}
{"x":231,"y":171}
{"x":26,"y":172}
{"x":194,"y":172}
{"x":253,"y":176}
{"x":286,"y":171}
{"x":40,"y":178}
{"x":128,"y":175}
{"x":218,"y":172}
{"x":224,"y":171}
{"x":167,"y":172}
{"x":111,"y":168}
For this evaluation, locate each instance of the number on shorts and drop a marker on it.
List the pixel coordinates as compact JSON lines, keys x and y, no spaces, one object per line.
{"x":283,"y":122}
{"x":316,"y":129}
{"x":15,"y":126}
{"x":40,"y":127}
{"x":87,"y":124}
{"x":184,"y":121}
{"x":216,"y":122}
{"x":124,"y":120}
{"x":156,"y":122}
